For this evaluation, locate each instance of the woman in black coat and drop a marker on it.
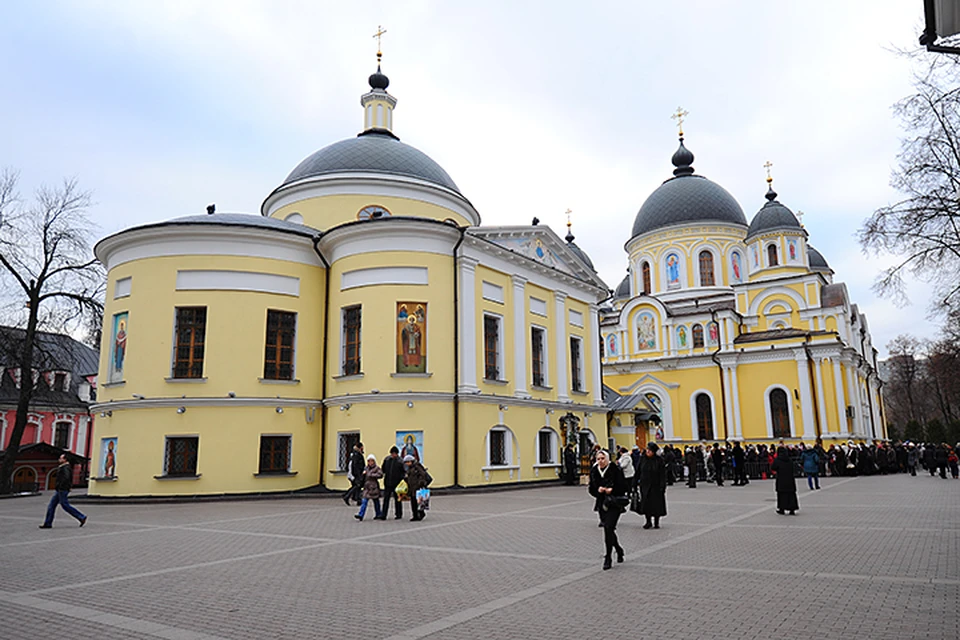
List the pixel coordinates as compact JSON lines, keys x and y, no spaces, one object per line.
{"x":653,"y":486}
{"x":606,"y":485}
{"x":786,"y":483}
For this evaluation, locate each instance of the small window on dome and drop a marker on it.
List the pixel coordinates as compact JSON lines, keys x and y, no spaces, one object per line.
{"x":772,"y":260}
{"x":645,"y":270}
{"x":372,"y":212}
{"x":294,"y":217}
{"x":706,"y":269}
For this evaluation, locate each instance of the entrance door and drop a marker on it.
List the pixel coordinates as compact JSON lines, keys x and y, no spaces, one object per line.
{"x":24,"y":478}
{"x":640,"y":435}
{"x":52,"y":480}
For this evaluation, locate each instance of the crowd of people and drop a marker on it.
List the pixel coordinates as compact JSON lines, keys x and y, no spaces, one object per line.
{"x":397,"y":474}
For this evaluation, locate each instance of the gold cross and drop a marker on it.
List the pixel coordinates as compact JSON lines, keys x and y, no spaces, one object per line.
{"x":800,"y":217}
{"x":568,"y":212}
{"x":378,"y":35}
{"x":678,"y":116}
{"x":767,"y":165}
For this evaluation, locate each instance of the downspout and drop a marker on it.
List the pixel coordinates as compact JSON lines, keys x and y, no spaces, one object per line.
{"x":813,"y":386}
{"x":716,"y":359}
{"x":323,"y":366}
{"x":873,"y":426}
{"x":456,"y":357}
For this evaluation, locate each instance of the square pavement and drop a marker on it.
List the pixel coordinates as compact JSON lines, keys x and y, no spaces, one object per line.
{"x":871,"y":557}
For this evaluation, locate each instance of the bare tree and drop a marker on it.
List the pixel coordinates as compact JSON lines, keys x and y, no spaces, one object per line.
{"x":50,"y":277}
{"x":923,"y":229}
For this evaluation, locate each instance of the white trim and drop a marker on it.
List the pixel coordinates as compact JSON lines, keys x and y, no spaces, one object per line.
{"x":806,"y":392}
{"x":634,"y":328}
{"x":580,"y":370}
{"x":500,"y":346}
{"x":289,"y":437}
{"x":766,"y":253}
{"x":122,"y":287}
{"x":554,"y":447}
{"x":511,"y":450}
{"x":666,"y":406}
{"x":769,"y":413}
{"x":841,"y":401}
{"x":695,"y":427}
{"x":226,"y":280}
{"x":822,"y":401}
{"x":388,"y":234}
{"x":538,"y":307}
{"x":593,"y":348}
{"x":545,"y":364}
{"x":519,"y":335}
{"x":492,"y":292}
{"x":714,"y":251}
{"x":560,"y":306}
{"x":682,"y":271}
{"x":576,"y":318}
{"x":468,"y":325}
{"x":728,"y":265}
{"x":772,"y":291}
{"x":294,"y":218}
{"x":374,"y":276}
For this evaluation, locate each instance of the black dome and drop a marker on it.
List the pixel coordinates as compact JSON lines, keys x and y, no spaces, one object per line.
{"x":687,"y":198}
{"x":580,"y":253}
{"x":379,"y":81}
{"x":816,"y":259}
{"x":773,"y":216}
{"x":373,"y":151}
{"x":623,"y":289}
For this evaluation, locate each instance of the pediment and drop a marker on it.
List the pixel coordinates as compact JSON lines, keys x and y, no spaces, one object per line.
{"x":648,"y":379}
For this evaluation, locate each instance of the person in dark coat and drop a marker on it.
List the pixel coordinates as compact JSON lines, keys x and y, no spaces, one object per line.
{"x":355,"y":475}
{"x":690,"y":459}
{"x":571,"y":465}
{"x":668,"y":459}
{"x":940,"y":459}
{"x":606,"y":484}
{"x":786,"y":483}
{"x":717,"y":456}
{"x":739,"y":465}
{"x":371,"y":489}
{"x":653,"y":487}
{"x":60,"y":496}
{"x":810,"y":460}
{"x":417,"y":478}
{"x":393,"y":473}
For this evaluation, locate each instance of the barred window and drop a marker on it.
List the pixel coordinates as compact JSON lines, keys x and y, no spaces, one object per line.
{"x":546,"y":446}
{"x":180,"y":458}
{"x":576,"y":364}
{"x":706,"y":269}
{"x":345,"y":444}
{"x":278,"y":358}
{"x":351,"y":341}
{"x":491,"y":347}
{"x":274,"y":454}
{"x":537,"y":353}
{"x":498,"y":448}
{"x":697,"y":336}
{"x":190,"y":334}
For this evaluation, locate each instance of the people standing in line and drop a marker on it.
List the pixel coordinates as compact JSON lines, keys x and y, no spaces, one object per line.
{"x":739,"y":466}
{"x":930,"y":459}
{"x":668,"y":460}
{"x":572,"y":465}
{"x":653,"y":487}
{"x":417,"y":478}
{"x":940,"y":459}
{"x":913,"y":457}
{"x":355,"y":475}
{"x":393,"y":474}
{"x":371,"y":489}
{"x":716,"y":456}
{"x":690,"y":459}
{"x":60,"y":495}
{"x":607,"y":485}
{"x":786,"y":483}
{"x":810,"y":460}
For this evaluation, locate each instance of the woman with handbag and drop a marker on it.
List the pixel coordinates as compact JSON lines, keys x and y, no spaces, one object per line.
{"x":653,"y":487}
{"x":609,"y":487}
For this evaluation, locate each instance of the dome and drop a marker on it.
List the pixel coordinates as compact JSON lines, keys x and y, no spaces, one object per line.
{"x":687,"y":198}
{"x":378,"y":81}
{"x":623,"y":289}
{"x":773,"y":216}
{"x":816,"y":259}
{"x":373,"y":151}
{"x":577,"y":251}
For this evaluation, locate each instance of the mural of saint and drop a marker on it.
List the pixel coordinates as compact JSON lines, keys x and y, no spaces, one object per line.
{"x":792,"y":250}
{"x":713,"y":331}
{"x":411,"y":444}
{"x":681,"y":336}
{"x":755,"y":256}
{"x":118,"y":347}
{"x":736,"y":267}
{"x":612,"y":345}
{"x":411,"y":337}
{"x":646,"y":331}
{"x":673,"y":271}
{"x":108,"y":457}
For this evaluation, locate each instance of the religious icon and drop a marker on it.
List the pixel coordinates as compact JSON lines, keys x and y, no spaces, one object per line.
{"x":714,"y":332}
{"x":118,"y":347}
{"x":658,"y":434}
{"x":755,"y":256}
{"x":673,"y":271}
{"x":646,"y":331}
{"x":411,"y":337}
{"x":108,"y":457}
{"x":792,"y":250}
{"x":410,"y":444}
{"x":735,"y":265}
{"x":611,"y":345}
{"x":681,"y":336}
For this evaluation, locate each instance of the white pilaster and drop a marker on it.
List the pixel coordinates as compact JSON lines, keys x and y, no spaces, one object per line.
{"x":592,"y":349}
{"x":82,"y":435}
{"x":728,"y":403}
{"x":468,"y":325}
{"x":519,"y":336}
{"x":735,"y":392}
{"x":852,"y":394}
{"x":841,"y":401}
{"x":560,"y":313}
{"x":821,"y":399}
{"x":806,"y":396}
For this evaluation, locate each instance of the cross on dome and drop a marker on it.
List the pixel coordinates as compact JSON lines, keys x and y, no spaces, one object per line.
{"x":378,"y":35}
{"x":679,"y":116}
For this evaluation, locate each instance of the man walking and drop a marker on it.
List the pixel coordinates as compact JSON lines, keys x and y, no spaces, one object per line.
{"x":64,"y":484}
{"x":393,"y":473}
{"x":355,"y":475}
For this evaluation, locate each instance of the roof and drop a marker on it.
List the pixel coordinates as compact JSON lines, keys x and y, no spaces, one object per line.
{"x":816,"y":259}
{"x":233,"y":220}
{"x":777,"y":334}
{"x":773,"y":216}
{"x":52,"y":451}
{"x":52,"y":352}
{"x":373,"y":151}
{"x":834,"y":295}
{"x":686,"y":199}
{"x":636,"y":403}
{"x":623,"y":289}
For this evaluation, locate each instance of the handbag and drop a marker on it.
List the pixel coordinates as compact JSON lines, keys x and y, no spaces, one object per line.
{"x":616,"y":502}
{"x":423,"y":499}
{"x":635,"y":502}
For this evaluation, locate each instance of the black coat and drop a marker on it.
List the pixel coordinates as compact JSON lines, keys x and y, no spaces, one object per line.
{"x":612,"y":478}
{"x":786,"y":483}
{"x":393,"y":472}
{"x":739,"y":455}
{"x":357,"y":464}
{"x":717,"y":455}
{"x":653,"y":486}
{"x":64,"y":477}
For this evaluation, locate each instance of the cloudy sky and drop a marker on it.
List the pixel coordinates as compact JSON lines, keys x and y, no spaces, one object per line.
{"x":160,"y":108}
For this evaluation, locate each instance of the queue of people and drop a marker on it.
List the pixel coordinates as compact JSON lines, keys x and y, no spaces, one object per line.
{"x":402,"y":479}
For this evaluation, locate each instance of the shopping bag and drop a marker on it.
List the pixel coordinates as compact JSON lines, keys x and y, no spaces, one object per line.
{"x":635,"y":502}
{"x":423,"y":499}
{"x":402,"y":490}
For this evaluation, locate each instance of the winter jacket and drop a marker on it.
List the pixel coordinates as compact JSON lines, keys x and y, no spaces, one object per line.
{"x":371,"y":482}
{"x":810,"y":460}
{"x":64,"y":477}
{"x":393,"y":472}
{"x":626,"y":465}
{"x":417,"y":477}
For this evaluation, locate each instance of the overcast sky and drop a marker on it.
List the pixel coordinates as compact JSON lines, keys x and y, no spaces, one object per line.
{"x":162,"y":108}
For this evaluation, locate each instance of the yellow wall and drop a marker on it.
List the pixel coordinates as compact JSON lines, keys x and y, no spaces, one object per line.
{"x":329,"y":211}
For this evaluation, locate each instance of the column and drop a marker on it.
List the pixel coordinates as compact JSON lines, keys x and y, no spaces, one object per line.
{"x":806,"y":396}
{"x":468,"y":325}
{"x":852,"y":394}
{"x":735,"y":392}
{"x":593,"y":350}
{"x":727,"y":403}
{"x":560,"y":312}
{"x":841,"y":401}
{"x":519,"y":336}
{"x":821,"y":399}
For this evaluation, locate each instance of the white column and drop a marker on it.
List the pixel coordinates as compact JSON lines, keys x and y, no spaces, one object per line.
{"x":841,"y":401}
{"x":519,"y":336}
{"x":727,"y":402}
{"x":593,"y":350}
{"x":806,"y":397}
{"x":82,"y":435}
{"x":821,"y":399}
{"x":852,"y":394}
{"x":468,"y":325}
{"x":735,"y":392}
{"x":560,"y":312}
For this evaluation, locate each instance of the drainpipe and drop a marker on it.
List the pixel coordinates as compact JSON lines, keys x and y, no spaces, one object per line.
{"x":456,"y":357}
{"x":873,"y":426}
{"x":813,"y":386}
{"x":323,"y":357}
{"x":716,"y":359}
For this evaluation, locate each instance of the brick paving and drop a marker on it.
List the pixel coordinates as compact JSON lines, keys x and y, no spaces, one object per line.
{"x":868,"y":557}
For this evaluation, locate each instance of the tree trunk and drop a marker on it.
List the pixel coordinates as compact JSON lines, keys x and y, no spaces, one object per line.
{"x":26,"y":395}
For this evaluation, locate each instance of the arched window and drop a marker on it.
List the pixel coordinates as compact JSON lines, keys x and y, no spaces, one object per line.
{"x":706,"y":269}
{"x":704,"y":417}
{"x":645,"y":270}
{"x":772,"y":255}
{"x":779,"y":413}
{"x":697,"y":336}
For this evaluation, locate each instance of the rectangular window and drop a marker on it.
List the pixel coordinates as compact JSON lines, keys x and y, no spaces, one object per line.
{"x":274,"y":454}
{"x":345,"y":444}
{"x":190,"y":335}
{"x":545,"y":442}
{"x":491,"y":347}
{"x":278,"y":358}
{"x":180,"y":458}
{"x":351,"y":341}
{"x":498,"y":448}
{"x":59,"y":382}
{"x":576,"y":364}
{"x":61,"y":437}
{"x":537,"y":340}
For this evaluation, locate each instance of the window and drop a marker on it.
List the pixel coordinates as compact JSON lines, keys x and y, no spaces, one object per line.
{"x":345,"y":444}
{"x":180,"y":458}
{"x":278,"y":358}
{"x":498,"y":447}
{"x":191,"y":332}
{"x":645,"y":271}
{"x":537,"y":339}
{"x":706,"y":269}
{"x":576,"y":364}
{"x":697,"y":336}
{"x":60,"y":381}
{"x":704,"y":417}
{"x":491,"y":347}
{"x":351,"y":341}
{"x":779,"y":413}
{"x":274,"y":454}
{"x":373,"y":212}
{"x":546,"y":446}
{"x":61,"y":436}
{"x":772,"y":255}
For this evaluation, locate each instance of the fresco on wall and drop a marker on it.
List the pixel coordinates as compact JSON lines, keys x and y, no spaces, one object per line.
{"x":612,"y":346}
{"x":646,"y":331}
{"x":755,"y":256}
{"x":736,"y":267}
{"x":108,"y":457}
{"x":673,"y":270}
{"x":410,"y":443}
{"x":118,"y":347}
{"x":713,"y":333}
{"x":792,"y":250}
{"x":682,"y":336}
{"x":411,"y":337}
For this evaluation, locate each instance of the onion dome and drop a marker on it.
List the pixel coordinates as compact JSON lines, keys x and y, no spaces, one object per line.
{"x":687,"y":198}
{"x":623,"y":289}
{"x":816,"y":260}
{"x":378,"y":81}
{"x":577,"y":251}
{"x":773,"y":216}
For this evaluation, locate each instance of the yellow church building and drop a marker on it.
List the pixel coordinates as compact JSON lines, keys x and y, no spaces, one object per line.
{"x":724,"y":330}
{"x":248,"y":354}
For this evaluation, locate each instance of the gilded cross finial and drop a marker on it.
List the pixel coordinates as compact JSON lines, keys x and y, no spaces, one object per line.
{"x":569,"y":224}
{"x":767,"y":165}
{"x":800,"y":217}
{"x":679,"y":116}
{"x":378,"y":35}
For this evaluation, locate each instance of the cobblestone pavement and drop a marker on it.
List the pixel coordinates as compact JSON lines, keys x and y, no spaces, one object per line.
{"x":871,"y":557}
